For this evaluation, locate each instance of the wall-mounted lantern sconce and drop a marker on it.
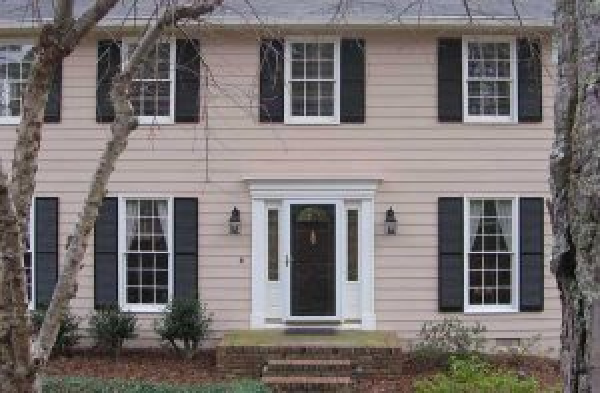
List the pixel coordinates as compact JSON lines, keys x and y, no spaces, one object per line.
{"x":391,"y":224}
{"x":235,"y":222}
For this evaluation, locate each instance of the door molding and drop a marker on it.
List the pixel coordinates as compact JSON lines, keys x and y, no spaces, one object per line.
{"x":264,"y":191}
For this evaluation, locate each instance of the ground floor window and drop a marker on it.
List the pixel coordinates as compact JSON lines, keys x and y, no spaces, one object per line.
{"x":147,"y":252}
{"x":490,"y":254}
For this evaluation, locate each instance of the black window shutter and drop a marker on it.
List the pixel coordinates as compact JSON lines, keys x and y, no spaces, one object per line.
{"x":529,"y":80}
{"x":271,"y":81}
{"x":187,"y":81}
{"x":352,"y":87}
{"x":109,"y":64}
{"x":531,"y":254}
{"x":450,"y":254}
{"x":106,"y":254}
{"x":46,"y":249}
{"x":450,"y":83}
{"x":186,"y":248}
{"x":52,"y":112}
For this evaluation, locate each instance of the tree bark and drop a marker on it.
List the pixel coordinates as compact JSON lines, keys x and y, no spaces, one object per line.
{"x":575,"y":187}
{"x":124,"y":124}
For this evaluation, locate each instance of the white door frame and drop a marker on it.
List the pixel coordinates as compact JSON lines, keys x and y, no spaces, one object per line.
{"x":340,"y":230}
{"x":264,"y":191}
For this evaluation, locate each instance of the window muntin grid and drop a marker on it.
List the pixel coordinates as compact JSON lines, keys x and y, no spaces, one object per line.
{"x":312,"y":80}
{"x":15,"y":65}
{"x":147,"y":251}
{"x":152,"y":84}
{"x":490,"y":69}
{"x":490,"y":264}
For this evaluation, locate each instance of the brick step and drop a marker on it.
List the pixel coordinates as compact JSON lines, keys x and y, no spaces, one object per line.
{"x":311,"y":384}
{"x":308,"y":367}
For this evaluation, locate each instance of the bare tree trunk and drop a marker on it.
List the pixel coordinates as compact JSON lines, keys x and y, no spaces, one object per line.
{"x":575,"y":186}
{"x":125,"y":122}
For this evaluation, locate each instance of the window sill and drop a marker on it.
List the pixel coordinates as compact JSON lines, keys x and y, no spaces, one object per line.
{"x":490,"y":310}
{"x":145,"y":309}
{"x":10,"y":121}
{"x":308,"y":121}
{"x":490,"y":121}
{"x":155,"y":121}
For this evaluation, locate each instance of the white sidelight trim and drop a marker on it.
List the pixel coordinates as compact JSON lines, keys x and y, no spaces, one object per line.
{"x":259,"y":265}
{"x":367,"y":269}
{"x":283,"y":192}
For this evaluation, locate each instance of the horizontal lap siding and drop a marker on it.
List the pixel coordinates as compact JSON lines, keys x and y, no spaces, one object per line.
{"x":402,"y":142}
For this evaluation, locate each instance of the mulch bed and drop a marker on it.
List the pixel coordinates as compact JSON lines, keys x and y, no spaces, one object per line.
{"x":163,"y":366}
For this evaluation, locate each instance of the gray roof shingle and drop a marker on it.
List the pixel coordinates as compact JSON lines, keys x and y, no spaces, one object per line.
{"x":366,"y":12}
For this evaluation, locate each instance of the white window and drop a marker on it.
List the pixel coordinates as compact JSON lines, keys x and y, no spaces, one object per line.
{"x":15,"y":63}
{"x":490,"y":75}
{"x":491,"y":254}
{"x":28,"y":261}
{"x":312,"y":73}
{"x":147,"y":253}
{"x":153,"y":88}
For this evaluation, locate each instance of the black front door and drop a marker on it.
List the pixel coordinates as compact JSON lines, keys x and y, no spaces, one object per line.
{"x":312,"y":260}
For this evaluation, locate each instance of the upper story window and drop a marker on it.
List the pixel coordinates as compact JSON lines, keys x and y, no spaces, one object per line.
{"x":491,"y":276}
{"x":15,"y":63}
{"x":489,"y":67}
{"x":153,"y":88}
{"x":312,"y":75}
{"x":146,"y":268}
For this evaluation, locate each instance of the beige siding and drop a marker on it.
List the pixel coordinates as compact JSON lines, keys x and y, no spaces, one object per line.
{"x":418,"y":159}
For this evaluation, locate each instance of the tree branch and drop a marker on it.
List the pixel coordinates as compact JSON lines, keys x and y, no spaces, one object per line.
{"x":468,"y":10}
{"x":123,"y":125}
{"x":63,"y":11}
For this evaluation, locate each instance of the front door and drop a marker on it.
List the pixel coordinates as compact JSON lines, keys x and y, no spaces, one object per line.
{"x":312,"y":262}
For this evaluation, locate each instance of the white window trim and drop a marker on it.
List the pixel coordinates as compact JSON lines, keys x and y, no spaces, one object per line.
{"x":122,"y":274}
{"x":515,"y":289}
{"x":31,"y":305}
{"x":514,"y":103}
{"x":13,"y":120}
{"x":155,"y":120}
{"x":311,"y":120}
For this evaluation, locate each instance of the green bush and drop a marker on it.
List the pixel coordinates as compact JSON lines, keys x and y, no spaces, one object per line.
{"x":68,"y":331}
{"x":472,"y":375}
{"x":437,"y":340}
{"x":111,"y":328}
{"x":184,"y":325}
{"x":93,"y":385}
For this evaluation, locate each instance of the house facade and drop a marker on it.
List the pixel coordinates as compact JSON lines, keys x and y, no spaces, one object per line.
{"x":373,"y":172}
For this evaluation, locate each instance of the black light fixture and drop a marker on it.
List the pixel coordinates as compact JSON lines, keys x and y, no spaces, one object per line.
{"x":235,"y":222}
{"x":391,"y":224}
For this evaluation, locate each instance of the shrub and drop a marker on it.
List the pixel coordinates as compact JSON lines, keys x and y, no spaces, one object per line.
{"x":184,"y":325}
{"x":94,"y":385}
{"x":473,"y":375}
{"x":439,"y":339}
{"x":68,"y":331}
{"x":111,"y":327}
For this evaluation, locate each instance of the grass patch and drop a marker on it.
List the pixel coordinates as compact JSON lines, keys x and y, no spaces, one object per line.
{"x":96,"y":385}
{"x":343,"y":338}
